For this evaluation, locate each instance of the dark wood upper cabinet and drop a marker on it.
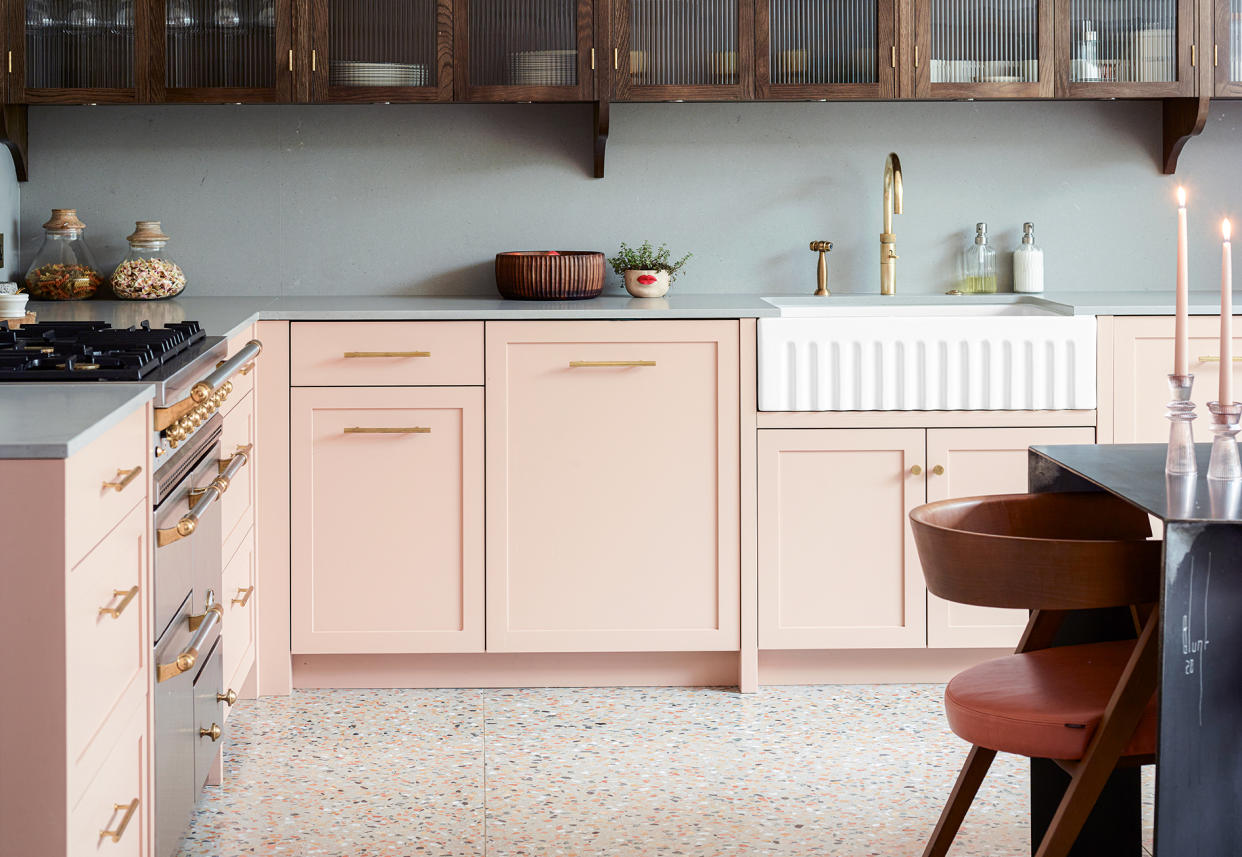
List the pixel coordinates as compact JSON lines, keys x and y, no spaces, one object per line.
{"x":829,"y":49}
{"x":1227,"y":48}
{"x":982,"y":49}
{"x":1126,"y":48}
{"x":524,"y":50}
{"x":383,"y":50}
{"x":687,"y":50}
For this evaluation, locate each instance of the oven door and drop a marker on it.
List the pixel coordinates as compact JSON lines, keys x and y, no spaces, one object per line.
{"x":208,"y":715}
{"x":192,"y":562}
{"x":174,"y":739}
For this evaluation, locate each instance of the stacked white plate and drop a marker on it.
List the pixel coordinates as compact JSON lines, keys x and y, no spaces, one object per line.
{"x":543,"y":68}
{"x":348,"y":73}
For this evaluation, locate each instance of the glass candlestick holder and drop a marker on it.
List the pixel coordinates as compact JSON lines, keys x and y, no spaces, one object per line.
{"x":1226,"y":422}
{"x":1181,"y":413}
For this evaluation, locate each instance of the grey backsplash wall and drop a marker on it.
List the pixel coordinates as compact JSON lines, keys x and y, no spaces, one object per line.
{"x":416,"y":199}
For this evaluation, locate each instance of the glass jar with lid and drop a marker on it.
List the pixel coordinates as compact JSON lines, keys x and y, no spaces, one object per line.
{"x":147,"y":273}
{"x":64,"y":268}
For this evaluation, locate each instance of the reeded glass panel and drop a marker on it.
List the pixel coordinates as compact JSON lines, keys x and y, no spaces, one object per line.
{"x":221,"y":43}
{"x":984,"y":41}
{"x":1235,"y":40}
{"x":822,"y":41}
{"x":523,"y":43}
{"x":1123,"y":41}
{"x":683,"y":42}
{"x":382,"y":42}
{"x":80,"y":44}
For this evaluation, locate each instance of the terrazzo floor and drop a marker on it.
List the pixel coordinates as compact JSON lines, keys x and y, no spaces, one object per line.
{"x":829,"y":771}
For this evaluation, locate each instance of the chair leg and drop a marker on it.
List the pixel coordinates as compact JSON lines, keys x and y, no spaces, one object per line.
{"x":968,"y":780}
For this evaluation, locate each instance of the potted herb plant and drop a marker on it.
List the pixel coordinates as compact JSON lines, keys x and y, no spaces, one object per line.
{"x":647,"y":271}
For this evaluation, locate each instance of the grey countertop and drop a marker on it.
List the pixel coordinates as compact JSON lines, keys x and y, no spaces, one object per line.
{"x":57,"y":420}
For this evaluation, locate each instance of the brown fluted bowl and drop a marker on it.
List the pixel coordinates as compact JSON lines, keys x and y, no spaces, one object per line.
{"x":540,"y":275}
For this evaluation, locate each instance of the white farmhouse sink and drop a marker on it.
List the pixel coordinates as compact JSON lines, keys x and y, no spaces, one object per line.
{"x":825,"y":354}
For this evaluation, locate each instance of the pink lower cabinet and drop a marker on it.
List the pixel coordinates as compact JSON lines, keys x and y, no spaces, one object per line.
{"x":966,"y":462}
{"x":613,"y":486}
{"x":837,"y":563}
{"x":387,"y":519}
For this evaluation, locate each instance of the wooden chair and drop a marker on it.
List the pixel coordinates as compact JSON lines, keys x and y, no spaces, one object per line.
{"x":1090,"y":707}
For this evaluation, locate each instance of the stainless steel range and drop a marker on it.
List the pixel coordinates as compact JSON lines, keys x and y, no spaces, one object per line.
{"x":191,"y":380}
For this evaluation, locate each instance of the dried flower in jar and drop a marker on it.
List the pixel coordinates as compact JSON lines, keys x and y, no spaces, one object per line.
{"x":147,"y":279}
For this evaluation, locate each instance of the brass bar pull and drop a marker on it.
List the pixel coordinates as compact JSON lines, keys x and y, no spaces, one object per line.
{"x":314,"y":60}
{"x":115,"y":835}
{"x":616,"y":58}
{"x":590,"y":364}
{"x":126,"y":596}
{"x":245,"y":596}
{"x":916,"y":56}
{"x":352,"y":354}
{"x":938,"y":470}
{"x":592,"y":59}
{"x":189,"y":656}
{"x":213,"y":733}
{"x":123,"y":478}
{"x":1215,"y":358}
{"x":1192,"y":55}
{"x":893,"y":56}
{"x":189,"y":521}
{"x":385,"y":430}
{"x":1215,"y":55}
{"x":10,"y":62}
{"x":290,"y":59}
{"x":229,"y":697}
{"x":916,"y":470}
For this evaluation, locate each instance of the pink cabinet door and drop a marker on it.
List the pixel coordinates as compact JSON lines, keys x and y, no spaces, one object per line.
{"x":613,"y":486}
{"x":979,"y":461}
{"x":1142,"y":360}
{"x":387,"y":519}
{"x":837,"y":563}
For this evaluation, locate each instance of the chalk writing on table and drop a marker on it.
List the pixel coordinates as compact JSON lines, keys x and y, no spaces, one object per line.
{"x":1195,"y":648}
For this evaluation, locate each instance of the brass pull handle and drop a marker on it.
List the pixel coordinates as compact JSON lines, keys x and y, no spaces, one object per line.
{"x":938,"y":470}
{"x":591,"y":364}
{"x":314,"y":60}
{"x":126,"y":596}
{"x":1192,"y":55}
{"x":592,"y":59}
{"x":189,"y":521}
{"x":123,"y":478}
{"x":916,"y":470}
{"x":616,"y":58}
{"x":385,"y":430}
{"x":916,"y":56}
{"x":1215,"y":55}
{"x":244,"y":599}
{"x":115,"y":835}
{"x":290,"y":59}
{"x":1215,"y":358}
{"x":186,"y":660}
{"x":213,"y":733}
{"x":10,"y":62}
{"x":353,"y":354}
{"x":229,"y":697}
{"x":235,"y":462}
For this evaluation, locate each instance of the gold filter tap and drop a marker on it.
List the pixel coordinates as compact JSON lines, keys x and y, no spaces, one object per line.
{"x":888,"y":241}
{"x":821,"y":275}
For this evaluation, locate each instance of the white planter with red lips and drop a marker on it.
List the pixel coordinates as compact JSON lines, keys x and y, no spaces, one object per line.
{"x":646,"y":284}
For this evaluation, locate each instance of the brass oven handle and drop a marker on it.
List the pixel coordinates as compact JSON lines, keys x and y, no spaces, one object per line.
{"x":245,"y":355}
{"x":123,"y":478}
{"x":229,"y":697}
{"x":213,"y":733}
{"x":353,"y":354}
{"x":396,"y":430}
{"x":115,"y":835}
{"x":189,"y":521}
{"x":186,"y":660}
{"x":126,"y":596}
{"x":245,"y":597}
{"x":230,"y":467}
{"x":1215,"y":358}
{"x":210,"y":391}
{"x":590,"y":364}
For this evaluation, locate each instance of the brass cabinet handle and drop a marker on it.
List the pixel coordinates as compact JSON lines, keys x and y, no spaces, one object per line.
{"x":115,"y":835}
{"x":126,"y":596}
{"x":290,"y":59}
{"x":396,"y":430}
{"x":916,"y":56}
{"x":916,"y":470}
{"x":616,"y":58}
{"x":1215,"y":55}
{"x":229,"y":697}
{"x":589,"y":364}
{"x":123,"y":478}
{"x":314,"y":60}
{"x":186,"y":660}
{"x":352,"y":354}
{"x":244,"y":599}
{"x":1215,"y":358}
{"x":213,"y":733}
{"x":1192,"y":54}
{"x":592,"y":59}
{"x":893,"y":55}
{"x":189,"y":521}
{"x":10,"y":62}
{"x":938,"y":470}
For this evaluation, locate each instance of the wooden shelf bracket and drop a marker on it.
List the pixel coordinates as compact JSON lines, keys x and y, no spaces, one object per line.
{"x":1182,"y":118}
{"x":601,"y":135}
{"x":13,"y":133}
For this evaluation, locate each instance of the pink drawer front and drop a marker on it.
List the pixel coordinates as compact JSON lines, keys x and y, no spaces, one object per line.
{"x":237,"y":504}
{"x":383,"y":353}
{"x":102,"y":485}
{"x":237,"y":630}
{"x":110,"y":820}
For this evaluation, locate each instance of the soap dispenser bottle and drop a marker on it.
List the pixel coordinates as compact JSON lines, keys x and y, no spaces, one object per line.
{"x":978,"y":267}
{"x":1028,"y":263}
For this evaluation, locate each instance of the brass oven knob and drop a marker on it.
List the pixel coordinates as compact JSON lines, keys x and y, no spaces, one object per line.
{"x":213,"y":733}
{"x":229,"y":697}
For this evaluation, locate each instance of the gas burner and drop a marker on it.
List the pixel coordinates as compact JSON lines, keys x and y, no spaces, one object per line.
{"x":92,"y":350}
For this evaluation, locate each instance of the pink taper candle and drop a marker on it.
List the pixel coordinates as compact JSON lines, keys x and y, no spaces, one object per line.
{"x":1180,"y":333}
{"x":1226,"y":317}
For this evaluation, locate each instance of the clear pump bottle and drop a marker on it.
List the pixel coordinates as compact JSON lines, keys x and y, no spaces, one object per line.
{"x":1028,"y":263}
{"x":978,"y":267}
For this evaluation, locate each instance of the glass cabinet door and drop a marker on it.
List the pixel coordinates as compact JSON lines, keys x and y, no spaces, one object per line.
{"x":74,"y":51}
{"x":227,"y":50}
{"x":1120,"y":48}
{"x":983,"y":49}
{"x":524,"y":50}
{"x":670,"y":50}
{"x":382,"y":50}
{"x":1227,"y":50}
{"x":825,"y":49}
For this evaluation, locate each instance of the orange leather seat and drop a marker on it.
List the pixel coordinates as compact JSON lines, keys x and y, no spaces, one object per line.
{"x":1046,"y":703}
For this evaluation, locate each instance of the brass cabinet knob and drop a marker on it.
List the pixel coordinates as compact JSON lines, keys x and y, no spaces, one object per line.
{"x":229,"y":697}
{"x":213,"y":733}
{"x":938,"y":470}
{"x":916,"y":470}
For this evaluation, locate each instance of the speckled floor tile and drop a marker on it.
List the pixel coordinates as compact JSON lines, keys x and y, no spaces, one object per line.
{"x":834,"y":771}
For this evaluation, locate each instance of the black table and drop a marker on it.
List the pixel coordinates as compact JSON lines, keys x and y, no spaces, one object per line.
{"x":1199,"y":768}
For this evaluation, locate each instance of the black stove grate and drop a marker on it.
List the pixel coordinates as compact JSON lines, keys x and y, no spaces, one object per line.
{"x":93,"y":350}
